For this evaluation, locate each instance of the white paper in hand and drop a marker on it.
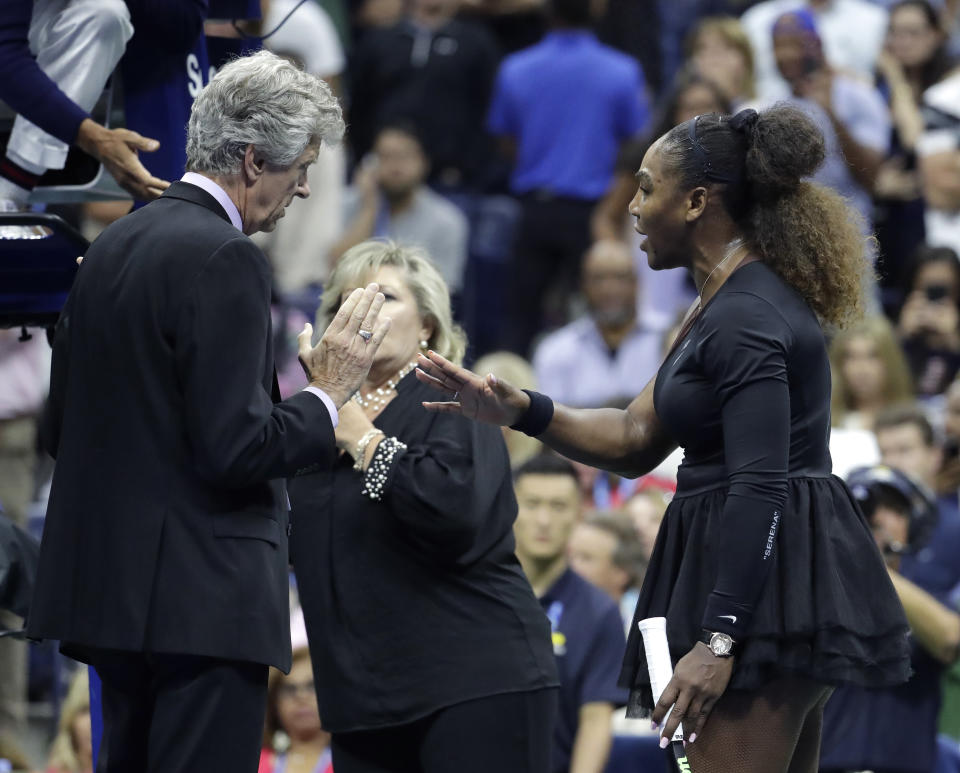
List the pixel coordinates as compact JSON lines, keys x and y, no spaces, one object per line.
{"x":659,"y":666}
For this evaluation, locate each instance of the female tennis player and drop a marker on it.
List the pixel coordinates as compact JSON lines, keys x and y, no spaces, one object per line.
{"x":764,"y":568}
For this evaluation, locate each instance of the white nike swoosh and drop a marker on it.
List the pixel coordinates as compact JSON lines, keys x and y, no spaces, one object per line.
{"x":731,"y":618}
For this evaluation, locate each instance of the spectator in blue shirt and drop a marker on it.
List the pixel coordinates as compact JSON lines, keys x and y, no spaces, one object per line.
{"x":588,"y":638}
{"x":55,"y":58}
{"x":561,"y":109}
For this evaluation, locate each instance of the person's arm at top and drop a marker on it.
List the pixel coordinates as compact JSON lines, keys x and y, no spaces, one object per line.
{"x":628,"y":442}
{"x":32,"y":94}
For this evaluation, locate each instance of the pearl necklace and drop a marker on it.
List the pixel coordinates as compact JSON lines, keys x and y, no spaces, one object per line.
{"x":735,"y":245}
{"x":380,"y":396}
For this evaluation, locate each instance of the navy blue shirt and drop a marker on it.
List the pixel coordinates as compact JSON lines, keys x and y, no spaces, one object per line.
{"x":568,"y":102}
{"x":936,"y":566}
{"x":588,"y":644}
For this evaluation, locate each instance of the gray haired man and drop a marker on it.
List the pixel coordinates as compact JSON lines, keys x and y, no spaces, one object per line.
{"x":164,"y":557}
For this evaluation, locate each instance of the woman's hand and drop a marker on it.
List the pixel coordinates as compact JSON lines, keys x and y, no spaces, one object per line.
{"x":352,"y":425}
{"x":486,"y":399}
{"x":698,"y":682}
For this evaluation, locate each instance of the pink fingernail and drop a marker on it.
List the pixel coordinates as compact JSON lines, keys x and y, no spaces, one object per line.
{"x":693,"y":737}
{"x":493,"y":379}
{"x":664,"y":742}
{"x":654,"y":726}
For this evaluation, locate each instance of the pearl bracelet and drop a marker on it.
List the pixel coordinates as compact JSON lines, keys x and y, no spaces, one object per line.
{"x":361,"y":449}
{"x":378,"y":472}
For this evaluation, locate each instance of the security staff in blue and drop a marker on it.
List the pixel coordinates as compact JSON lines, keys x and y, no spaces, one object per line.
{"x":587,"y":630}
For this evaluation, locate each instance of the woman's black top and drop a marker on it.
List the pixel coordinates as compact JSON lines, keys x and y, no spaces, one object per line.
{"x":761,"y":541}
{"x":416,"y":602}
{"x":747,"y":395}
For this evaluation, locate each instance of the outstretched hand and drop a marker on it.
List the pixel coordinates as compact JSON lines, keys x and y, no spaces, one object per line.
{"x":482,"y":398}
{"x":117,"y":150}
{"x":699,"y":680}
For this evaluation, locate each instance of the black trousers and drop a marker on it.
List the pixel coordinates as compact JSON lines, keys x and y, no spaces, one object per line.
{"x":552,"y":237}
{"x":510,"y":733}
{"x":179,"y":713}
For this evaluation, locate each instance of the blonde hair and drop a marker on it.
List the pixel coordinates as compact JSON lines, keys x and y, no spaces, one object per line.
{"x":63,"y":755}
{"x":513,"y":368}
{"x":422,"y":279}
{"x":731,"y":31}
{"x":898,"y":384}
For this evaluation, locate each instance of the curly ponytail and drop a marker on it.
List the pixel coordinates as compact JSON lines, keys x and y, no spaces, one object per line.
{"x":805,"y":232}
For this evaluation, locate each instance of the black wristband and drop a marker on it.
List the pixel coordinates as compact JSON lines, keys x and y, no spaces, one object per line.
{"x":537,"y":417}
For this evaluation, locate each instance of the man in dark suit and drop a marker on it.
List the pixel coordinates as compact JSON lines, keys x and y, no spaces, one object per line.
{"x":164,"y":558}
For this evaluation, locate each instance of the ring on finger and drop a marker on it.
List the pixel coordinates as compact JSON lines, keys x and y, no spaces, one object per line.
{"x":366,"y":335}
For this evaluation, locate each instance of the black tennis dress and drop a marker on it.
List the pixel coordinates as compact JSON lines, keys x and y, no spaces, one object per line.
{"x":761,"y":541}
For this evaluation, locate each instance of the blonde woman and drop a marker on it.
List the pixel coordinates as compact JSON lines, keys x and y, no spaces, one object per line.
{"x":869,"y":372}
{"x":430,"y":652}
{"x":72,"y":749}
{"x":720,"y":51}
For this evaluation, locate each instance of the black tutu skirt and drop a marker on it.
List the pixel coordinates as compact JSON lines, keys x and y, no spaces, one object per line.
{"x":828,"y":610}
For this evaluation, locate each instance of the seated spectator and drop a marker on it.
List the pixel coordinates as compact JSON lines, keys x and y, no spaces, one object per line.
{"x":606,"y":551}
{"x":607,"y":354}
{"x":929,"y":323}
{"x":588,"y":639}
{"x":869,"y":371}
{"x":938,"y":151}
{"x":907,"y":443}
{"x":561,"y":109}
{"x":853,"y":33}
{"x":914,"y":59}
{"x":72,"y":749}
{"x":513,"y":368}
{"x":389,"y":199}
{"x":720,"y":51}
{"x":662,"y":295}
{"x":56,"y":58}
{"x":435,"y":71}
{"x":293,"y":738}
{"x":646,"y":509}
{"x":850,"y":112}
{"x":894,"y":730}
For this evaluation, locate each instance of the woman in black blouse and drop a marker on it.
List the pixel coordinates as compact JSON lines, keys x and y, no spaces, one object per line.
{"x":430,"y":651}
{"x":764,"y":568}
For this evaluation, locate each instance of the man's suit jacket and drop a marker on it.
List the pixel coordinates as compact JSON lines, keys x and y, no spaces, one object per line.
{"x":166,"y":530}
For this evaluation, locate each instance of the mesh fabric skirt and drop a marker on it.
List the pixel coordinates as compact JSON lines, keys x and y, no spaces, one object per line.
{"x":828,"y":610}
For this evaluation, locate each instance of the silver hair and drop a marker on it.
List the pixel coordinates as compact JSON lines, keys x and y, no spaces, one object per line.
{"x":265,"y":101}
{"x":422,"y":279}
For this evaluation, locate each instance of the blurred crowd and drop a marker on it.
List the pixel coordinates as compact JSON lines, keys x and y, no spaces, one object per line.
{"x":503,"y":136}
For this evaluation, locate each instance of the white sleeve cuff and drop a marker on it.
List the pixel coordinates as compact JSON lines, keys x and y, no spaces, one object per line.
{"x":334,"y":416}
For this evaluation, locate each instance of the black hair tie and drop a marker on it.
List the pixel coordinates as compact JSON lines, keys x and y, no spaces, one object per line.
{"x":745,"y":120}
